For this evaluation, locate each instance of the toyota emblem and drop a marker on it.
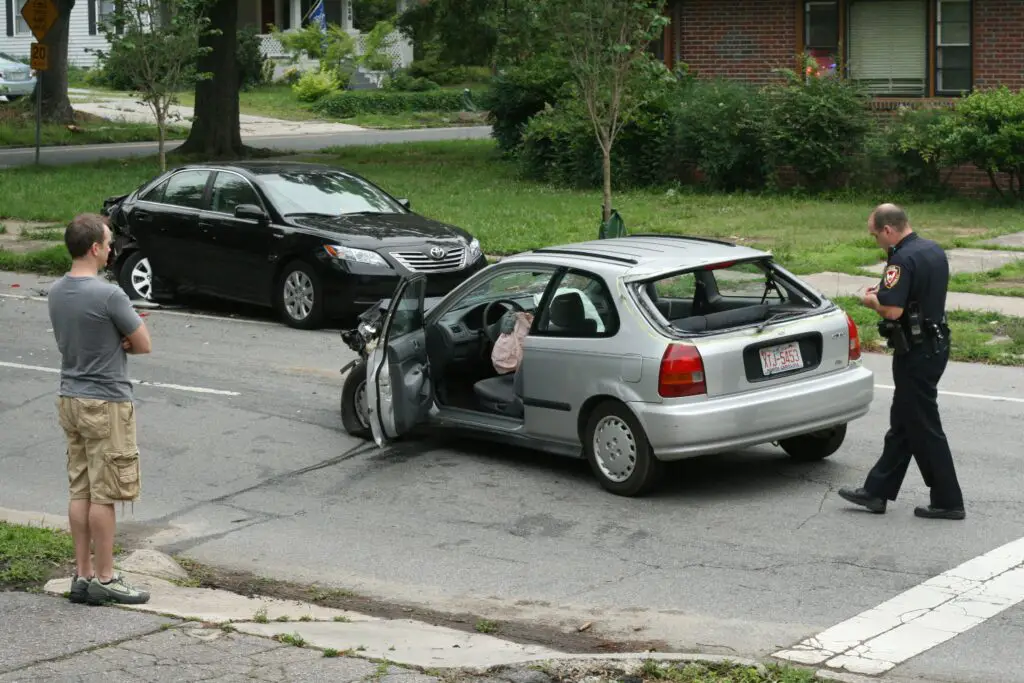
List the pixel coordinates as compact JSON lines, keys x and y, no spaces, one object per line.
{"x":436,"y":253}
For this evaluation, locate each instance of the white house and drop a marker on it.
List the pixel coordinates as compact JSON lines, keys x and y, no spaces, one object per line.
{"x":85,"y":33}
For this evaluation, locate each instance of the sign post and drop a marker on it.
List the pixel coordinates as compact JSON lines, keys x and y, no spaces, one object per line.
{"x":39,"y":15}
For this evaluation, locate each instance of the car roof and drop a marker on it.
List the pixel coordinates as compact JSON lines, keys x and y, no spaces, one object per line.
{"x":637,"y":257}
{"x":264,"y":167}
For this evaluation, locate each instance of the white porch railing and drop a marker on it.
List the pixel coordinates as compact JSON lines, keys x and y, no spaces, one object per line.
{"x":399,"y":47}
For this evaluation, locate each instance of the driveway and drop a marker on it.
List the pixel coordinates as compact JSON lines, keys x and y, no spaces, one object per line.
{"x":245,"y":466}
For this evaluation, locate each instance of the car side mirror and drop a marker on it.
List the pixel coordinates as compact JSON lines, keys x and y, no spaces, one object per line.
{"x":405,"y":202}
{"x":251,"y":211}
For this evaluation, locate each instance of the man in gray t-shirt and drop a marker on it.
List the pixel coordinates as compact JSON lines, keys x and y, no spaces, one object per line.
{"x":96,"y":327}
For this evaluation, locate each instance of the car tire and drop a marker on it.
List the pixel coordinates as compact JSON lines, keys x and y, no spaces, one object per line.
{"x":816,"y":445}
{"x":294,"y":307}
{"x":617,"y":432}
{"x":354,"y":390}
{"x":135,"y":276}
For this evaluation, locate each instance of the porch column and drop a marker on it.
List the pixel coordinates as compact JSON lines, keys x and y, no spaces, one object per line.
{"x":278,"y":15}
{"x":346,"y":15}
{"x":295,"y":7}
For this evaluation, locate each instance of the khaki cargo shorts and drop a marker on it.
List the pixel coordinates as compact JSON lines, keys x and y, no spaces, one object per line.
{"x":103,"y":457}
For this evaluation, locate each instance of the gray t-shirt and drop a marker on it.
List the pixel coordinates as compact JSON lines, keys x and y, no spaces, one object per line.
{"x":90,"y":318}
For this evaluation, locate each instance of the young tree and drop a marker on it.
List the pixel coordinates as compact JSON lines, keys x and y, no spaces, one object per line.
{"x":157,"y":55}
{"x":605,"y":44}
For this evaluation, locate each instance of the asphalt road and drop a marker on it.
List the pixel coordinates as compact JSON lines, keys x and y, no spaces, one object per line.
{"x":741,"y":554}
{"x":72,"y":154}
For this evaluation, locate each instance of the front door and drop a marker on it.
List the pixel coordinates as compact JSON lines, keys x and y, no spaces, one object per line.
{"x":235,"y":252}
{"x":399,"y":387}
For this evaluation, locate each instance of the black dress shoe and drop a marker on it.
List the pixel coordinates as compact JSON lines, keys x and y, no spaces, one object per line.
{"x":864,"y":499}
{"x":928,"y":512}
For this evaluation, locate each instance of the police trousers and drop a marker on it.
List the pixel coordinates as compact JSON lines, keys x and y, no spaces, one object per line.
{"x":915,"y":431}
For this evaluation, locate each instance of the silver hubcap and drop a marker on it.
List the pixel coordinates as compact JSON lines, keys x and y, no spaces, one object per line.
{"x":142,"y":279}
{"x":298,"y":295}
{"x":360,"y":400}
{"x":615,"y":449}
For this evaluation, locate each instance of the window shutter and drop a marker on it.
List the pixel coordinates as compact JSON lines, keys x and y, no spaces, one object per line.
{"x":10,"y":17}
{"x":888,"y":46}
{"x":92,"y":16}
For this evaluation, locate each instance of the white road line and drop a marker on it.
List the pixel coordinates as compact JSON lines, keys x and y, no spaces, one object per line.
{"x":142,"y":382}
{"x":983,"y":397}
{"x":917,"y":620}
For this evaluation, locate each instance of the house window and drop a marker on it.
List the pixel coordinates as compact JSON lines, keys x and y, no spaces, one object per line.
{"x":20,"y":25}
{"x":105,"y":12}
{"x":821,"y":33}
{"x":889,"y":46}
{"x":953,"y":47}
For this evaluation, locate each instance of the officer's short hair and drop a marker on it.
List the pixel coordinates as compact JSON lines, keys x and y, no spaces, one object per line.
{"x":890,"y":214}
{"x":84,"y":230}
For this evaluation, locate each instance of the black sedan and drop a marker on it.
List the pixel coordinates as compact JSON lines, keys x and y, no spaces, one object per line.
{"x":312,"y":241}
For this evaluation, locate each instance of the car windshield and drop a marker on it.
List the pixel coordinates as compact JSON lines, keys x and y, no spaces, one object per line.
{"x":330,"y":193}
{"x":4,"y":57}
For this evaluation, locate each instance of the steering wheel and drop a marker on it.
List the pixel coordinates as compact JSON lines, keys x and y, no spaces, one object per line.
{"x":492,"y":331}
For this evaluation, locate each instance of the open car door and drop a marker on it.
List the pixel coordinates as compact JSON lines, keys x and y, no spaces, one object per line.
{"x":399,"y":388}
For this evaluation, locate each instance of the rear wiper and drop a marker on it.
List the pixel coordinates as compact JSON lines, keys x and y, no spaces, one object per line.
{"x":773,"y":316}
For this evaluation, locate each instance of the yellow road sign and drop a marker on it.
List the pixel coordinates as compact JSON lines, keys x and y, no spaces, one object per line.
{"x":39,"y":15}
{"x":40,"y":57}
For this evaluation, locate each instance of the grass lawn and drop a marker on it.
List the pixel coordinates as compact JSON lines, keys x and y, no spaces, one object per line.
{"x":18,"y":129}
{"x":31,"y":556}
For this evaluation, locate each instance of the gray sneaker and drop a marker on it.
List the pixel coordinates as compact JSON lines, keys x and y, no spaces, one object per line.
{"x":117,"y":590}
{"x":79,"y":588}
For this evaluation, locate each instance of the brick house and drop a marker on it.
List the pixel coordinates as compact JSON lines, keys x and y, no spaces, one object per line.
{"x":903,"y":49}
{"x":906,"y":52}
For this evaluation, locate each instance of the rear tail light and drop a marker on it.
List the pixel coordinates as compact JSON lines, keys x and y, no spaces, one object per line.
{"x":851,"y":328}
{"x":682,"y":372}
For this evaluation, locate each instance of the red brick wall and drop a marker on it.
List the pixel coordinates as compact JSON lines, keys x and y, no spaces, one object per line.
{"x":743,"y":39}
{"x":999,"y":43}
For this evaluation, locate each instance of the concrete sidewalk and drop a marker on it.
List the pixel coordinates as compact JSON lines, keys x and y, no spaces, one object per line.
{"x":134,"y":111}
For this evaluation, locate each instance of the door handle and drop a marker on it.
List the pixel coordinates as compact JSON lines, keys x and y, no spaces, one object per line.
{"x":143,"y":216}
{"x":278,"y":235}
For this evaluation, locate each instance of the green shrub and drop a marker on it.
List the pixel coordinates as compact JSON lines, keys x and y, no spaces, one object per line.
{"x":814,"y":125}
{"x":344,"y":105}
{"x":252,"y":65}
{"x":403,"y":82}
{"x":313,"y":85}
{"x":918,"y":145}
{"x":430,"y":68}
{"x":988,"y":131}
{"x":719,"y":128}
{"x":560,"y":145}
{"x":519,"y":93}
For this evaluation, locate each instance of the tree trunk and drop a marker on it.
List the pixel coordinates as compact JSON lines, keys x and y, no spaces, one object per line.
{"x":606,"y":168}
{"x":161,"y":128}
{"x":215,"y":129}
{"x":54,"y":81}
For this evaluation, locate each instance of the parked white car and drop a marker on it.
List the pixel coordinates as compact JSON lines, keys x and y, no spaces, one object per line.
{"x":17,"y":79}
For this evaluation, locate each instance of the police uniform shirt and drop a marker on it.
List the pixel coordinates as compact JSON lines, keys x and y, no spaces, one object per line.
{"x":917,"y":270}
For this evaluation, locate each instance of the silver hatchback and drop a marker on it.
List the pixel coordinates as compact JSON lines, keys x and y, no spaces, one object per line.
{"x":640,"y":350}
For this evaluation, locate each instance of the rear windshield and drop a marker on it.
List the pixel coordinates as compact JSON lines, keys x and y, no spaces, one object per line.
{"x":724,"y":296}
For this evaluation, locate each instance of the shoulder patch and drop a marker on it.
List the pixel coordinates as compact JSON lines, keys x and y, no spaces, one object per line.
{"x":892,"y":276}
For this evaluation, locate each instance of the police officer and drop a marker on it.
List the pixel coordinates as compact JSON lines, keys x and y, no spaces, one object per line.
{"x":911,"y":300}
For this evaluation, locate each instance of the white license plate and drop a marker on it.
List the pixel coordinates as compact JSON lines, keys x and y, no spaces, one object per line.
{"x":18,"y":77}
{"x":782,"y":358}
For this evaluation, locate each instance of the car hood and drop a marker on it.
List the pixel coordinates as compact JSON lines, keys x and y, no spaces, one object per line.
{"x":382,"y":230}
